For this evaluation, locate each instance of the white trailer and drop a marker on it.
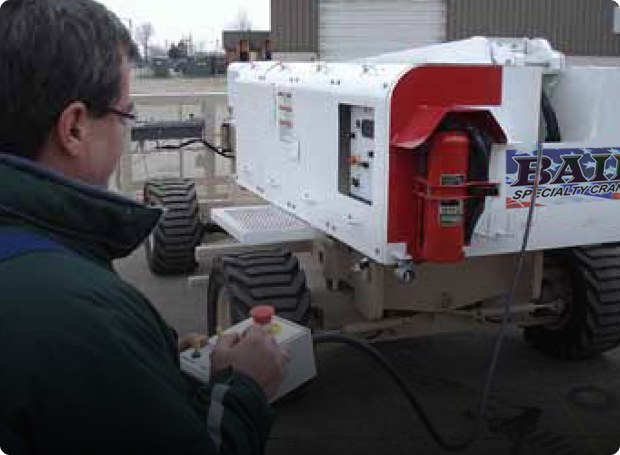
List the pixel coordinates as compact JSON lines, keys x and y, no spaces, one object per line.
{"x":411,"y":175}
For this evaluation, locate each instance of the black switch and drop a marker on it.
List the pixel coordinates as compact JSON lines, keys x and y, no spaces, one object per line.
{"x":355,"y":182}
{"x":368,"y":129}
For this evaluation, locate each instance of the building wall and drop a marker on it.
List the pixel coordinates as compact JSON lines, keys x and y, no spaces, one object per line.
{"x":294,"y":25}
{"x":255,"y":38}
{"x":575,"y":27}
{"x":351,"y":29}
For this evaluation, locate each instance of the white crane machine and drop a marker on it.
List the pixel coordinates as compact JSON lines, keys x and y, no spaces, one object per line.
{"x":413,"y":176}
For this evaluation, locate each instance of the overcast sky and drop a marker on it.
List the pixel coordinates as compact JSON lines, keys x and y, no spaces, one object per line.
{"x":204,"y":19}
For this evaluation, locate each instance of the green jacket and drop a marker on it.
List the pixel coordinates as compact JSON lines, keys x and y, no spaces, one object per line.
{"x":87,"y":365}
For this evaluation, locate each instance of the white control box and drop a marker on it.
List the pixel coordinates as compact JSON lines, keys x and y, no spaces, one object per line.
{"x":197,"y":362}
{"x":296,"y":339}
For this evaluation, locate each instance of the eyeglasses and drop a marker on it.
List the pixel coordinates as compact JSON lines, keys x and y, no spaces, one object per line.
{"x":128,"y":118}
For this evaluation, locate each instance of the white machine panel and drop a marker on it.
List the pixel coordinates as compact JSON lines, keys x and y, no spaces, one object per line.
{"x":291,"y":157}
{"x":315,"y":140}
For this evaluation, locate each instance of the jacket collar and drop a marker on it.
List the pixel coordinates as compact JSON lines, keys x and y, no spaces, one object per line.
{"x":92,"y":219}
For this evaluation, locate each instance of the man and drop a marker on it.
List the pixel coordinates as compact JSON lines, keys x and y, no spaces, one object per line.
{"x":87,"y":366}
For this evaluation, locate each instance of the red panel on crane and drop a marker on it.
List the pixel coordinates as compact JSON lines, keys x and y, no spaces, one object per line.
{"x":425,"y":94}
{"x":420,"y":100}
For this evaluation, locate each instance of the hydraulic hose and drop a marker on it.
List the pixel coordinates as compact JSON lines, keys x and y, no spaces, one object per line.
{"x":365,"y":347}
{"x":509,"y":301}
{"x":218,"y":151}
{"x":551,"y":120}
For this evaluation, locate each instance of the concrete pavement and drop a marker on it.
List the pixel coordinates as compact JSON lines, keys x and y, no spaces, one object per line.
{"x":538,"y":405}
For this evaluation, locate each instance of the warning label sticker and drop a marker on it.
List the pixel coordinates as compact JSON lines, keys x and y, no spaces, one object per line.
{"x":567,"y":176}
{"x":286,"y":120}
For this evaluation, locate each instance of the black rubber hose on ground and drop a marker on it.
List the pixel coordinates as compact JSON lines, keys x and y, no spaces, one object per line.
{"x":364,"y":346}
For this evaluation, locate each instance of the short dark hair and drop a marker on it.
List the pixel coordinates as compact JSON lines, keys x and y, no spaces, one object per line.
{"x":52,"y":53}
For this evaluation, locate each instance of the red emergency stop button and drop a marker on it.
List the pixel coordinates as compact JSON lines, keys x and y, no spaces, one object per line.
{"x":262,"y":314}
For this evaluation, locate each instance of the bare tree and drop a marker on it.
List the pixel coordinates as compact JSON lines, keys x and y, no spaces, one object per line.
{"x":241,"y":21}
{"x":144,"y":33}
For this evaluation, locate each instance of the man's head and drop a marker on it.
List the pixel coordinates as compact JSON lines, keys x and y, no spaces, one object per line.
{"x":64,"y":85}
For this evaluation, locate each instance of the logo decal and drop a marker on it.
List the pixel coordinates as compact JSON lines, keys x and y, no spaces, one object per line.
{"x":568,"y":176}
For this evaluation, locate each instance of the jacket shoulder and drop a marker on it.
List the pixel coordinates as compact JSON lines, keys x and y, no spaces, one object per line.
{"x":52,"y":283}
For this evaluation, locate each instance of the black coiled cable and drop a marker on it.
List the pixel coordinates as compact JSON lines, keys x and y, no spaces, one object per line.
{"x":364,"y":346}
{"x":218,"y":151}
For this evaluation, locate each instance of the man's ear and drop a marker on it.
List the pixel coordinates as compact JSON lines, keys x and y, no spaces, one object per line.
{"x":72,"y":128}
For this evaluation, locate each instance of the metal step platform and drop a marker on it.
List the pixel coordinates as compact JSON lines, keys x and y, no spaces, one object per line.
{"x":263,"y":224}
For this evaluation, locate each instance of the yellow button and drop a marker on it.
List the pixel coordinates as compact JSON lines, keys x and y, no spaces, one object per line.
{"x":275,"y":329}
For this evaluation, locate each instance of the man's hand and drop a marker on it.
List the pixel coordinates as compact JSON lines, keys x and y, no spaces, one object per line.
{"x":221,"y":357}
{"x":256,"y":354}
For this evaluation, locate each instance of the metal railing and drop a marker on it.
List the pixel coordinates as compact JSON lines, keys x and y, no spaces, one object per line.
{"x":144,"y":160}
